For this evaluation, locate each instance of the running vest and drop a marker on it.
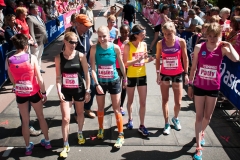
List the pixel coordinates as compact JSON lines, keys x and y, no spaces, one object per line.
{"x":121,"y":45}
{"x":106,"y":63}
{"x":112,"y":34}
{"x":171,"y":58}
{"x":23,"y":73}
{"x":208,"y":70}
{"x":71,"y":70}
{"x":137,"y":69}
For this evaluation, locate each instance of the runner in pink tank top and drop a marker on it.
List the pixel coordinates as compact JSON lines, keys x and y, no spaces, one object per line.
{"x":173,"y":51}
{"x":204,"y":79}
{"x":24,"y":71}
{"x":121,"y":41}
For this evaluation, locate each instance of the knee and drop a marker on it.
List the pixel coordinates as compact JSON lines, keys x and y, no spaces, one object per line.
{"x":66,"y":120}
{"x":199,"y":119}
{"x":164,"y":100}
{"x":207,"y":117}
{"x":142,"y":103}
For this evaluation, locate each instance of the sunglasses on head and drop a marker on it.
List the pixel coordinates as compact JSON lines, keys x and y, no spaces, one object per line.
{"x":73,"y":42}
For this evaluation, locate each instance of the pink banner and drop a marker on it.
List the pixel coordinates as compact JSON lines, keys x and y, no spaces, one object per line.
{"x":67,"y":16}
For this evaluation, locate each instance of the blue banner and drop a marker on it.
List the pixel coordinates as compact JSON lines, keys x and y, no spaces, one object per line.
{"x":230,"y":81}
{"x":53,"y":31}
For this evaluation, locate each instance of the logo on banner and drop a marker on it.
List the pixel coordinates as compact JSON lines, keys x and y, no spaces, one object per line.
{"x":53,"y":29}
{"x":61,"y":25}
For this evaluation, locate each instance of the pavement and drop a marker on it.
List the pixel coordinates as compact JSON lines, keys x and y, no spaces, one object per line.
{"x":222,"y":136}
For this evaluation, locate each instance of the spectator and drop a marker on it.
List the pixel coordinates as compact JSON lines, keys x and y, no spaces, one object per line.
{"x":51,"y":10}
{"x":88,"y":11}
{"x":59,"y":6}
{"x":185,"y":19}
{"x":21,"y":4}
{"x":41,"y":12}
{"x":114,"y":12}
{"x":194,"y":22}
{"x":11,"y":5}
{"x":214,"y":11}
{"x":199,"y":13}
{"x":22,"y":26}
{"x":113,"y":32}
{"x":10,"y":30}
{"x":65,"y":5}
{"x":38,"y":32}
{"x":224,"y":22}
{"x":208,"y":7}
{"x":237,"y":11}
{"x":2,"y":5}
{"x":129,"y":14}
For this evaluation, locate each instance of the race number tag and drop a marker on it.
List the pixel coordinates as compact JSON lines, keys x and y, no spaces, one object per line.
{"x":136,"y":56}
{"x":105,"y":72}
{"x":70,"y":80}
{"x":23,"y":87}
{"x":170,"y":62}
{"x":208,"y":73}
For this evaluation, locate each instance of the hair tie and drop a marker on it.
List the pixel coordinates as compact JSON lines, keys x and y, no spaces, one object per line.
{"x":137,"y":32}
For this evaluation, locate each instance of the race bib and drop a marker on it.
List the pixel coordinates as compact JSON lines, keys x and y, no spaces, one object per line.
{"x":136,"y":56}
{"x":105,"y":72}
{"x":70,"y":80}
{"x":170,"y":62}
{"x":23,"y":87}
{"x":207,"y":73}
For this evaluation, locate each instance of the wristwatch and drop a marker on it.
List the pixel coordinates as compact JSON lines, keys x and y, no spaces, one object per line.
{"x":88,"y":90}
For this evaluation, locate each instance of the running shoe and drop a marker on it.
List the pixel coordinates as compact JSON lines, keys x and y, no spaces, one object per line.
{"x":122,"y":111}
{"x":167,"y":129}
{"x":65,"y":151}
{"x":202,"y":142}
{"x":81,"y":139}
{"x":29,"y":149}
{"x":119,"y":141}
{"x":198,"y":154}
{"x":130,"y":124}
{"x":176,"y":124}
{"x":100,"y":134}
{"x":45,"y":144}
{"x":143,"y":130}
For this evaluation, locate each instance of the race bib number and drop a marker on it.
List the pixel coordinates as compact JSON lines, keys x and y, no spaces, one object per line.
{"x":105,"y":72}
{"x":207,"y":73}
{"x":70,"y":80}
{"x":136,"y":56}
{"x":170,"y":62}
{"x":23,"y":87}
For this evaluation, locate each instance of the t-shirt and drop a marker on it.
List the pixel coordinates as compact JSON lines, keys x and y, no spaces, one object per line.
{"x":197,"y":21}
{"x":25,"y":28}
{"x":129,"y":12}
{"x":201,"y":14}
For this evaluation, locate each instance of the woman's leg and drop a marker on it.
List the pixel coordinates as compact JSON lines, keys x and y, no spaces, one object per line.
{"x":199,"y":102}
{"x":80,"y":113}
{"x":65,"y":109}
{"x":164,"y":87}
{"x":23,"y":109}
{"x":156,"y":34}
{"x":142,"y":91}
{"x":130,"y":93}
{"x":38,"y":107}
{"x":208,"y":111}
{"x":100,"y":114}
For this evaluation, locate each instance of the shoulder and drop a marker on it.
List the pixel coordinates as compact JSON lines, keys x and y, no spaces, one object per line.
{"x":116,"y":46}
{"x":80,"y":54}
{"x":94,"y":46}
{"x":182,"y":41}
{"x":198,"y":46}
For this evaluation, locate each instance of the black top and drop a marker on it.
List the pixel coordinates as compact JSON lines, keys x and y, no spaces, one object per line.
{"x":129,"y":12}
{"x":71,"y":74}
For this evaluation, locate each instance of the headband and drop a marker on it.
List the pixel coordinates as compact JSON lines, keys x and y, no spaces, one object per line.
{"x":138,"y":31}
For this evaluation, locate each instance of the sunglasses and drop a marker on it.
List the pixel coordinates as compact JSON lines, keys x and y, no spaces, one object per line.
{"x":73,"y":42}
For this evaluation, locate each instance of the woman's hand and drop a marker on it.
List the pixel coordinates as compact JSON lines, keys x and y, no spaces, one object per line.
{"x":124,"y":83}
{"x":44,"y":98}
{"x":61,"y":97}
{"x":99,"y":89}
{"x":190,"y":92}
{"x":159,"y":79}
{"x":150,"y":59}
{"x":186,"y":79}
{"x":87,"y":97}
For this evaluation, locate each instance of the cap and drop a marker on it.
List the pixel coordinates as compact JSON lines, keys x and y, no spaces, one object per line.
{"x":2,"y":3}
{"x":82,"y":18}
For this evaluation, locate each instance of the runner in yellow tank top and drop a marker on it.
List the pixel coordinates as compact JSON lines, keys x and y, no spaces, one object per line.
{"x":134,"y":57}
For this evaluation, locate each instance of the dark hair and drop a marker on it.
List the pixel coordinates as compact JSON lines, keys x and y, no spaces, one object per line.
{"x":20,"y":41}
{"x":191,"y":12}
{"x":165,"y":7}
{"x":235,"y":20}
{"x":125,"y":26}
{"x":135,"y":31}
{"x":32,"y":6}
{"x":215,"y":9}
{"x":237,"y":8}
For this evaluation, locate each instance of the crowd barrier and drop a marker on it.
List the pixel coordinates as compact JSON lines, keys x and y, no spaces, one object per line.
{"x":53,"y":29}
{"x":230,"y":71}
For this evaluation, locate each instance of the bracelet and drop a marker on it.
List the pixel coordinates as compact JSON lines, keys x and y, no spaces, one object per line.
{"x":186,"y":73}
{"x":158,"y":71}
{"x":44,"y":93}
{"x":124,"y":80}
{"x":190,"y":82}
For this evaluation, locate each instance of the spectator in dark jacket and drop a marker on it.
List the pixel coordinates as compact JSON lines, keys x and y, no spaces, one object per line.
{"x":11,"y":30}
{"x":11,"y":5}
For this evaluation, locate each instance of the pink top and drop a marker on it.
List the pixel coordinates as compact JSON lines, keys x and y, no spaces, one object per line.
{"x":171,"y":58}
{"x":208,"y":71}
{"x":235,"y":41}
{"x":24,"y":75}
{"x":121,"y":45}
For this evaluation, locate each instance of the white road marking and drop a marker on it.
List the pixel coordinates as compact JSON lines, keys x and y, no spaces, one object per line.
{"x":7,"y":152}
{"x":9,"y":149}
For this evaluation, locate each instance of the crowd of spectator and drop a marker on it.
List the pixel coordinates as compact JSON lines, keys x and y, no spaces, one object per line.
{"x":13,"y":10}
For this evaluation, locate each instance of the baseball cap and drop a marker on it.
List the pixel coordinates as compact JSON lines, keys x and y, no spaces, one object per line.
{"x":2,"y":3}
{"x":82,"y":18}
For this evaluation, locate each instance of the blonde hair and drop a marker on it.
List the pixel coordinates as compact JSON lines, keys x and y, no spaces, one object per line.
{"x":214,"y":18}
{"x":205,"y":25}
{"x":111,"y":17}
{"x":224,"y":10}
{"x":103,"y":28}
{"x":198,"y":29}
{"x":69,"y":35}
{"x":20,"y":10}
{"x":169,"y":26}
{"x":214,"y":28}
